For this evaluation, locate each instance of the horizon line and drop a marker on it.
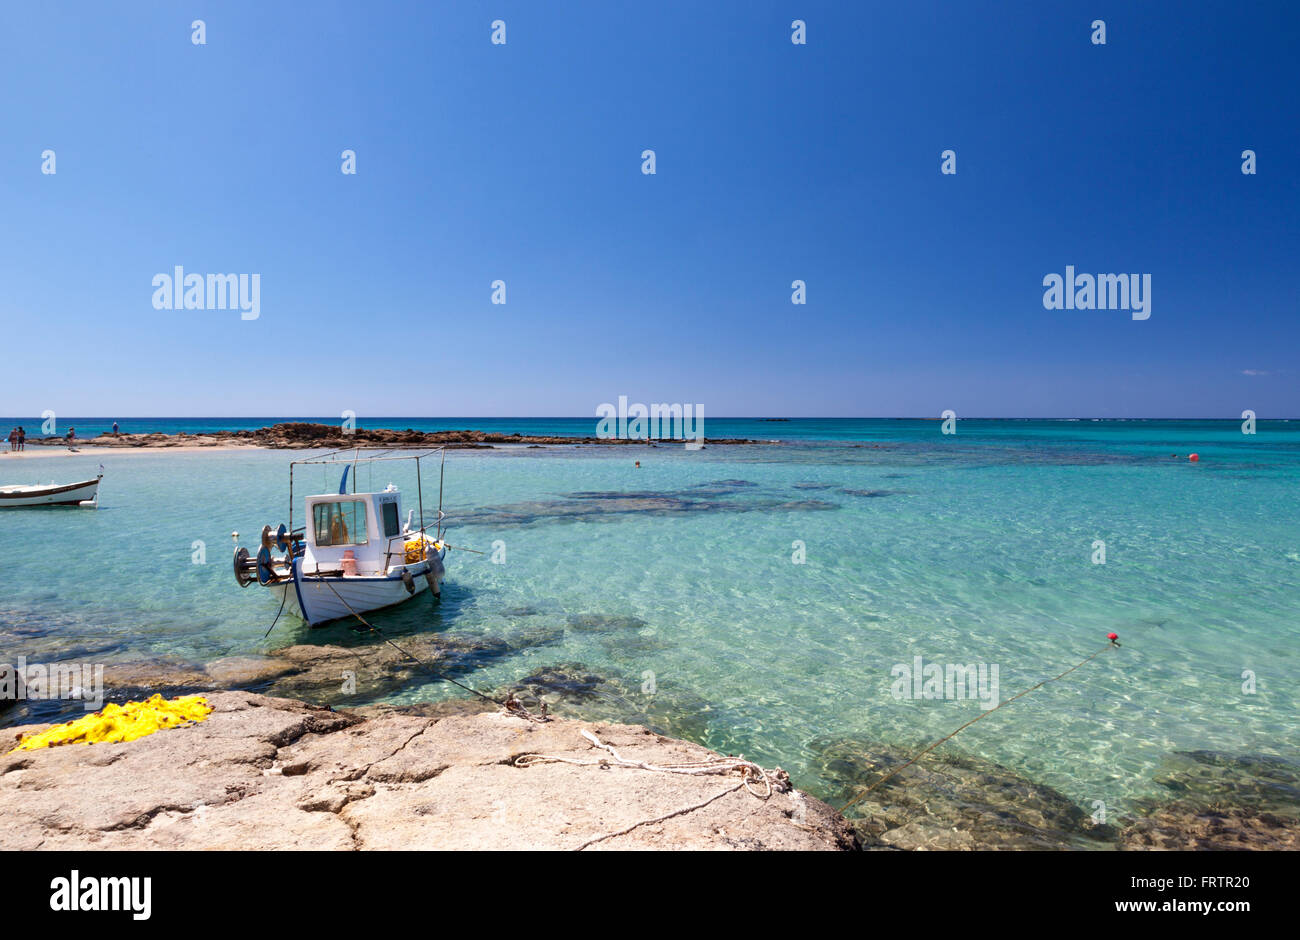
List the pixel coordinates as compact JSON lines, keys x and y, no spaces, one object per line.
{"x":284,"y":419}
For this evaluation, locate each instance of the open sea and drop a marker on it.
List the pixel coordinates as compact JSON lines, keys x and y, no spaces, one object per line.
{"x":758,"y":598}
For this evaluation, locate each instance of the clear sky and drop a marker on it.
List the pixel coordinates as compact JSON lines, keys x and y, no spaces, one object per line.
{"x":775,"y":162}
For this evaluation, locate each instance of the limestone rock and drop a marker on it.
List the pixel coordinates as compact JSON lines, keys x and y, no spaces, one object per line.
{"x":279,"y":774}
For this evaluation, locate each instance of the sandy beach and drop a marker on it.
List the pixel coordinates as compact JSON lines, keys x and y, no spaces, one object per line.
{"x":47,"y":452}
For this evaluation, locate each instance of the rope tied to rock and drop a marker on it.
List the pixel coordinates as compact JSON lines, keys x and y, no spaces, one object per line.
{"x":515,"y":707}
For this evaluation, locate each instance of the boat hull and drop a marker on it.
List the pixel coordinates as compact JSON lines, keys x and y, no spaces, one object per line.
{"x":322,"y":599}
{"x":70,"y":494}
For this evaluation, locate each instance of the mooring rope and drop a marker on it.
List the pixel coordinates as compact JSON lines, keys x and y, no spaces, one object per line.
{"x":284,"y":597}
{"x":511,"y":704}
{"x":1113,"y":642}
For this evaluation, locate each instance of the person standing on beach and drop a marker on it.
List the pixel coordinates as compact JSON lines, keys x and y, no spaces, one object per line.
{"x":114,"y":427}
{"x":13,"y":440}
{"x":22,"y":438}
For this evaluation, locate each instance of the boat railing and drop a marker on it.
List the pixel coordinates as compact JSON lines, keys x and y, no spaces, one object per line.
{"x":337,"y":457}
{"x":406,"y":537}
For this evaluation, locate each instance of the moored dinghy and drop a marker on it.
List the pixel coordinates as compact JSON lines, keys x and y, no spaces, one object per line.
{"x":85,"y":493}
{"x":353,"y":554}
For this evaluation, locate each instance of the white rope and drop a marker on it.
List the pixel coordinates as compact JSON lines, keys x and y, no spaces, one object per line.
{"x":777,"y":780}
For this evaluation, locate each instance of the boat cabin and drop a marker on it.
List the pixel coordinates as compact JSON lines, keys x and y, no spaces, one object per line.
{"x":354,"y":533}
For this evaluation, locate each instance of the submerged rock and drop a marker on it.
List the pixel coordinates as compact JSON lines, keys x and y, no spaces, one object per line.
{"x":563,"y":682}
{"x":50,"y":636}
{"x":522,"y":611}
{"x":1184,"y":825}
{"x":1220,"y":801}
{"x":603,"y":622}
{"x":351,"y":675}
{"x":946,"y":801}
{"x":633,"y":645}
{"x":331,"y":675}
{"x":800,"y":505}
{"x":721,"y":487}
{"x":599,"y":505}
{"x":270,"y":773}
{"x":574,"y":691}
{"x":1260,"y":782}
{"x":533,"y":637}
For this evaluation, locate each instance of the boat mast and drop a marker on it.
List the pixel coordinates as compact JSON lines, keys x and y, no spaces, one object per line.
{"x":442,"y":471}
{"x":419,"y":489}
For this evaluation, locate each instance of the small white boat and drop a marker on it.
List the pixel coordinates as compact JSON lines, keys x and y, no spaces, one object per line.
{"x":353,"y":554}
{"x":51,"y":494}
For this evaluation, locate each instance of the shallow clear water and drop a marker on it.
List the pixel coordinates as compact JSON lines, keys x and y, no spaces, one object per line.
{"x":971,"y":548}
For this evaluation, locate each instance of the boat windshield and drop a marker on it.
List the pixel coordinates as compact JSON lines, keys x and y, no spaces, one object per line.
{"x":341,"y":523}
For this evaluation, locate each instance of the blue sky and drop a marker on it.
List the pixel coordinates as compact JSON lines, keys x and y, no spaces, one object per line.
{"x":775,"y":162}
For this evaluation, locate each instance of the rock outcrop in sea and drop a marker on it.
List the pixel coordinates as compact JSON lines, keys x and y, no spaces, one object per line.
{"x":952,"y":800}
{"x":1220,"y":801}
{"x":301,"y":435}
{"x":948,"y":801}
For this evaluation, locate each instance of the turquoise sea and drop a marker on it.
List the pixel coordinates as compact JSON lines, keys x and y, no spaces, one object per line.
{"x":676,"y":582}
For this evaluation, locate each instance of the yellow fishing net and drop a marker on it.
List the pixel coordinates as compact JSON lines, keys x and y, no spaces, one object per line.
{"x":127,"y":722}
{"x":415,"y":551}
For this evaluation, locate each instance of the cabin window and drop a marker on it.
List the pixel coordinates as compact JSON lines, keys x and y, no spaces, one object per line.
{"x":341,"y":523}
{"x":392,"y":526}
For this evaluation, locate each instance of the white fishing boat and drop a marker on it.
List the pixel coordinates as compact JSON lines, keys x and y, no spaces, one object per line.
{"x":85,"y":493}
{"x":354,"y":553}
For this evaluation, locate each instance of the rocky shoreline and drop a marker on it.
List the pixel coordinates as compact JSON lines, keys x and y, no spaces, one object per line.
{"x":441,"y":774}
{"x":273,"y":773}
{"x":302,"y":435}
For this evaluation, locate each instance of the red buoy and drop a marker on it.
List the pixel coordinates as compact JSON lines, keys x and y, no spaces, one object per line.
{"x":1194,"y":457}
{"x":1112,"y":636}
